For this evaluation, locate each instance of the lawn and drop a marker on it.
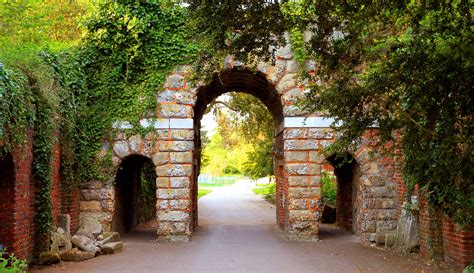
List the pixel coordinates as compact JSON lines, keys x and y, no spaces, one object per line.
{"x":267,"y":190}
{"x":202,"y":192}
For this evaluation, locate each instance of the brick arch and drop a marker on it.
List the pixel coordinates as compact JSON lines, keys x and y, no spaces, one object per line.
{"x":255,"y":83}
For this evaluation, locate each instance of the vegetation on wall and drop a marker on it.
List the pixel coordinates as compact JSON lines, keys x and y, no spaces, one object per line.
{"x":405,"y":67}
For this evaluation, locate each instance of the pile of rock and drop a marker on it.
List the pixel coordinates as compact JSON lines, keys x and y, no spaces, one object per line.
{"x":89,"y":241}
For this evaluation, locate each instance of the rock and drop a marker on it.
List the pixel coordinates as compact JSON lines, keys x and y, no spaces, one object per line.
{"x":111,"y":248}
{"x":91,"y":225}
{"x":49,"y":257}
{"x":60,"y":242}
{"x":64,"y":222}
{"x":329,"y":215}
{"x":85,"y":243}
{"x":110,"y":237}
{"x":86,"y":233}
{"x":76,"y":255}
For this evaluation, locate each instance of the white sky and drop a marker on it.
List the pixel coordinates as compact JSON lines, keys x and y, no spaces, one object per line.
{"x":208,"y":123}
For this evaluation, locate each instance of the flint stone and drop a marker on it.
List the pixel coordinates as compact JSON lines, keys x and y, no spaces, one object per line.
{"x":85,"y":243}
{"x":111,"y":248}
{"x":76,"y":255}
{"x":92,"y":225}
{"x":60,"y":242}
{"x":110,"y":237}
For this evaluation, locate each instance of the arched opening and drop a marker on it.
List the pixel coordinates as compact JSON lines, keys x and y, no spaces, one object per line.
{"x":7,"y":187}
{"x":135,"y":194}
{"x":340,"y":185}
{"x":255,"y":84}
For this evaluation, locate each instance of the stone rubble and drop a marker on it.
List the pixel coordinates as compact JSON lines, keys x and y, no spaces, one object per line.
{"x":89,"y":241}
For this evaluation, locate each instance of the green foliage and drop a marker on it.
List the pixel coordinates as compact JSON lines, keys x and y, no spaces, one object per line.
{"x":328,"y":188}
{"x":405,"y":66}
{"x":202,"y":192}
{"x":11,"y":264}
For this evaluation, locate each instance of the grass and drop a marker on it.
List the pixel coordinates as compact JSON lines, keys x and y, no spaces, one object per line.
{"x":268,"y":191}
{"x":202,"y":192}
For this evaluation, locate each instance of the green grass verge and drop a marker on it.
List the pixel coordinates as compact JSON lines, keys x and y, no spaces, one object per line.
{"x":202,"y":192}
{"x":268,"y":191}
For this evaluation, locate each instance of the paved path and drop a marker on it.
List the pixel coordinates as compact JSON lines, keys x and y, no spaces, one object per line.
{"x":238,"y":234}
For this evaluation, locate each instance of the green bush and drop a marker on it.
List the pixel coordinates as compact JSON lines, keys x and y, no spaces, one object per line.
{"x":11,"y":264}
{"x":329,"y":188}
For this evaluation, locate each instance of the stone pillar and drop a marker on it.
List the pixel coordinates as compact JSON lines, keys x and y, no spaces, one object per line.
{"x":173,"y":160}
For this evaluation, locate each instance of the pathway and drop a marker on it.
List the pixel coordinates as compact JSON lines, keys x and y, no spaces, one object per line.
{"x":238,"y":234}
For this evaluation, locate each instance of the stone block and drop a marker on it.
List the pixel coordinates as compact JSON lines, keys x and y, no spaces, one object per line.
{"x":178,"y":134}
{"x":378,"y":192}
{"x":121,"y":148}
{"x":175,"y":82}
{"x":173,"y":193}
{"x":374,"y":181}
{"x":287,"y":82}
{"x":173,"y":216}
{"x":303,"y":168}
{"x":64,"y":222}
{"x":321,"y":133}
{"x":170,"y":228}
{"x":292,"y":96}
{"x":90,"y":206}
{"x":302,"y":231}
{"x":174,"y":170}
{"x":296,"y":156}
{"x":292,"y":66}
{"x":175,"y":111}
{"x":303,"y":215}
{"x":92,"y":184}
{"x":181,"y":157}
{"x":76,"y":255}
{"x":184,"y":97}
{"x":275,"y":73}
{"x":165,"y":96}
{"x":302,"y":181}
{"x":293,"y":111}
{"x":173,"y":238}
{"x":176,"y":146}
{"x":301,"y":145}
{"x":160,"y":158}
{"x":295,"y":133}
{"x":172,"y":182}
{"x":390,"y":240}
{"x":316,"y":157}
{"x":284,"y":52}
{"x":135,"y":143}
{"x":304,"y":192}
{"x":111,"y":248}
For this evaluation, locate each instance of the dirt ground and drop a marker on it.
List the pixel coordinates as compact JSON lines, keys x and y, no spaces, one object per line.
{"x":238,"y":234}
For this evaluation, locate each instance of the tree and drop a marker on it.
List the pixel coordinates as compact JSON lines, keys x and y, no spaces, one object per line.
{"x":405,"y":66}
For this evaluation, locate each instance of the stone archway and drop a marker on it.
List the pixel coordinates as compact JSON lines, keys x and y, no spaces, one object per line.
{"x":129,"y":210}
{"x":257,"y":85}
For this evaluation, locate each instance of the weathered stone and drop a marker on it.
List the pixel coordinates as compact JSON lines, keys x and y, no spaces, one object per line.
{"x":60,"y":242}
{"x":86,"y":233}
{"x":111,"y":248}
{"x":174,"y":170}
{"x":301,"y":145}
{"x":181,"y":157}
{"x":184,"y":98}
{"x":303,"y":168}
{"x":275,"y":73}
{"x":173,"y":193}
{"x":389,"y":239}
{"x":284,"y":52}
{"x":93,"y":184}
{"x":91,"y":225}
{"x":176,"y":146}
{"x":85,"y":243}
{"x":296,"y":156}
{"x":304,"y":181}
{"x":178,"y":134}
{"x":379,"y":203}
{"x":302,"y":231}
{"x":292,"y":66}
{"x":49,"y":257}
{"x":292,"y":96}
{"x":374,"y":180}
{"x":175,"y":111}
{"x":173,"y":216}
{"x":295,"y":133}
{"x":293,"y":111}
{"x":174,"y":81}
{"x":321,"y":133}
{"x":76,"y":255}
{"x":135,"y":143}
{"x":303,"y":215}
{"x":161,"y":158}
{"x":90,"y":206}
{"x":178,"y":204}
{"x":378,"y":192}
{"x":325,"y":143}
{"x":167,"y":228}
{"x":110,"y":237}
{"x":173,"y":238}
{"x":121,"y":149}
{"x":172,"y":182}
{"x":305,"y":192}
{"x":165,"y":96}
{"x":287,"y":82}
{"x":316,"y":157}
